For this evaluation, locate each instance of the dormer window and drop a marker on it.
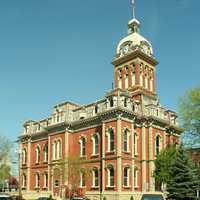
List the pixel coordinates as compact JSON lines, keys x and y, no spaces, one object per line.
{"x":111,"y":102}
{"x":96,"y":109}
{"x":125,"y":102}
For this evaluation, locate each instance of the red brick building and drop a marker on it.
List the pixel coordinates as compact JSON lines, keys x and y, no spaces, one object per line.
{"x":117,"y":137}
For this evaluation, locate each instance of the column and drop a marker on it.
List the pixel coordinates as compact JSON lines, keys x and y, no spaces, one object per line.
{"x":119,"y":154}
{"x":143,"y":157}
{"x":151,"y":160}
{"x":116,"y":78}
{"x":154,"y":80}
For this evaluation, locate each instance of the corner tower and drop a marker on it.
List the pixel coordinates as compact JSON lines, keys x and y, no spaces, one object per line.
{"x":135,"y":65}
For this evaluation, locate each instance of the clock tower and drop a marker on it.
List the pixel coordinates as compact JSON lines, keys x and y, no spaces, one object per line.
{"x":135,"y":65}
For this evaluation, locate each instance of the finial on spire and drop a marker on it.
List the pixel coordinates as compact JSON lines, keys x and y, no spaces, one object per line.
{"x":133,"y":5}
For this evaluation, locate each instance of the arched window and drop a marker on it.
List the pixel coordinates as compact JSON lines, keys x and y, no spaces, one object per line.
{"x":45,"y":180}
{"x":59,"y":149}
{"x":111,"y":140}
{"x":45,"y":151}
{"x":82,"y":147}
{"x":37,"y":151}
{"x":126,"y":176}
{"x":136,"y":178}
{"x":157,"y":145}
{"x":126,"y":140}
{"x":95,"y":140}
{"x":135,"y":144}
{"x":95,"y":174}
{"x":82,"y":178}
{"x":24,"y":181}
{"x":24,"y":156}
{"x":37,"y":180}
{"x":55,"y":150}
{"x":111,"y":176}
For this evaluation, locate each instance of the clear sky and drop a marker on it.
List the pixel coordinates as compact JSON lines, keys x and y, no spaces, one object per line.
{"x":57,"y":50}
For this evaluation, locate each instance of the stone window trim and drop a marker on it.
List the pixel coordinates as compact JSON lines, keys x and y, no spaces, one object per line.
{"x":83,"y":144}
{"x":45,"y":175}
{"x":136,"y":174}
{"x":135,"y":145}
{"x":24,"y":156}
{"x":128,"y":176}
{"x":57,"y":148}
{"x":37,"y":154}
{"x":94,"y":178}
{"x":110,"y":180}
{"x":158,"y":147}
{"x":110,"y":149}
{"x":82,"y":178}
{"x":95,"y":152}
{"x":127,"y":149}
{"x":37,"y":180}
{"x":45,"y":151}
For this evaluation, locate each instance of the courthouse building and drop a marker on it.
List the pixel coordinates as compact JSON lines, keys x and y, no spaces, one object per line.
{"x":117,"y":138}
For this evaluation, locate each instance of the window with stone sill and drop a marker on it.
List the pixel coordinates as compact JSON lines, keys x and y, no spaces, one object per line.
{"x":126,"y":176}
{"x":24,"y":157}
{"x":111,"y":140}
{"x":95,"y":141}
{"x":37,"y":180}
{"x":126,"y":140}
{"x":136,"y":178}
{"x":135,"y":144}
{"x":37,"y":152}
{"x":82,"y":142}
{"x":95,"y":174}
{"x":45,"y":151}
{"x":82,"y":179}
{"x":111,"y":176}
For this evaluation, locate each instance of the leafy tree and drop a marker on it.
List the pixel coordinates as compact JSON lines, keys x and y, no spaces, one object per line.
{"x":182,"y":183}
{"x":163,"y":163}
{"x":5,"y":147}
{"x":189,"y":107}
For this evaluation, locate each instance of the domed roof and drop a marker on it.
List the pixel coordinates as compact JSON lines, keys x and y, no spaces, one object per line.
{"x":134,"y":39}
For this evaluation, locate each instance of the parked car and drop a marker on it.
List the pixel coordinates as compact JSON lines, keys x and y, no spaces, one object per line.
{"x":79,"y":198}
{"x":43,"y":198}
{"x":4,"y":196}
{"x":152,"y":197}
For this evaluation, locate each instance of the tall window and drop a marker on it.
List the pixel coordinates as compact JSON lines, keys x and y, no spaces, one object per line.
{"x":37,"y":152}
{"x":126,"y":176}
{"x":125,"y":102}
{"x":157,"y":145}
{"x":135,"y":144}
{"x":82,"y":147}
{"x":95,"y":140}
{"x":111,"y":176}
{"x":136,"y":178}
{"x":82,"y":178}
{"x":45,"y":180}
{"x":111,"y":140}
{"x":24,"y":181}
{"x":37,"y":180}
{"x":95,"y":174}
{"x":45,"y":151}
{"x":24,"y":156}
{"x":126,"y":140}
{"x":57,"y":149}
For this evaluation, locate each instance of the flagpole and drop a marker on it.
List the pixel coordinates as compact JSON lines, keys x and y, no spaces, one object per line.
{"x":133,"y":4}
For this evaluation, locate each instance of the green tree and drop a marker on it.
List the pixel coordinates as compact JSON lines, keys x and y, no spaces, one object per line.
{"x":189,"y":107}
{"x":163,"y":163}
{"x":5,"y":147}
{"x":182,"y":183}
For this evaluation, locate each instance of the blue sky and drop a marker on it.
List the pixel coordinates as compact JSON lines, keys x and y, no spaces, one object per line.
{"x":57,"y":50}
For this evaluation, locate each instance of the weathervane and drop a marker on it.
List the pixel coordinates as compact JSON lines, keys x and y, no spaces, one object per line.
{"x":133,"y":4}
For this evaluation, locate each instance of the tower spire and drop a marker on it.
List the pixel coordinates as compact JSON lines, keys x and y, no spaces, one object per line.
{"x":133,"y":5}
